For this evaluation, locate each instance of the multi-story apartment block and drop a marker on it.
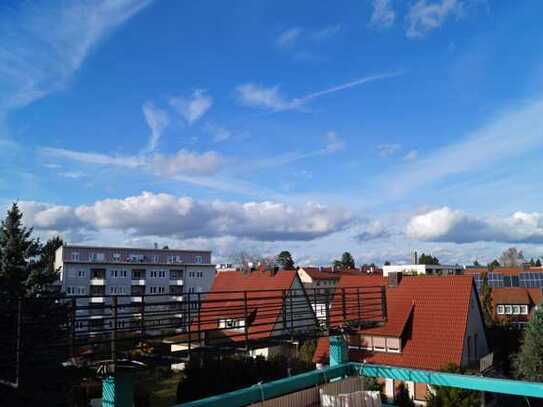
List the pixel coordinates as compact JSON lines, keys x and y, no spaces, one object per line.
{"x":137,"y":276}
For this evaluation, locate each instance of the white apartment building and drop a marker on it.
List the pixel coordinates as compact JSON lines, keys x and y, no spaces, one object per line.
{"x":137,"y":276}
{"x":427,"y":269}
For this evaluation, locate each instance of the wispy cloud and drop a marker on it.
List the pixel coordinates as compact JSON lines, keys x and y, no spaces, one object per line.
{"x":157,"y":120}
{"x":288,"y":37}
{"x":194,"y":107}
{"x":219,"y":133}
{"x":423,"y":17}
{"x":333,"y":144}
{"x":411,"y":155}
{"x":166,"y":165}
{"x":383,"y":14}
{"x":270,"y":98}
{"x":387,"y":150}
{"x":508,"y":135}
{"x":42,"y":47}
{"x":326,"y":32}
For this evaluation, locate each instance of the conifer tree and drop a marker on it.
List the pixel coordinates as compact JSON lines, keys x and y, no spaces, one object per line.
{"x":528,"y":362}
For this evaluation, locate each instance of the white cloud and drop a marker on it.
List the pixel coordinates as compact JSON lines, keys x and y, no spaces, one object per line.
{"x":327,"y":32}
{"x":387,"y":150}
{"x":383,"y":14}
{"x":270,"y":98}
{"x":411,"y":155}
{"x":42,"y":47}
{"x":157,"y":120}
{"x":166,"y":215}
{"x":448,"y":225}
{"x":423,"y":17}
{"x":192,"y":108}
{"x":219,"y":133}
{"x":509,"y":134}
{"x":254,"y":95}
{"x":334,"y":143}
{"x":166,"y":165}
{"x":288,"y":37}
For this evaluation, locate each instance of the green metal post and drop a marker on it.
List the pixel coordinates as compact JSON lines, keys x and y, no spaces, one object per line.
{"x":118,"y":389}
{"x":338,"y":351}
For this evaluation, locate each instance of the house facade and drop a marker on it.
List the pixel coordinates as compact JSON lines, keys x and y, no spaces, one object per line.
{"x":432,"y":322}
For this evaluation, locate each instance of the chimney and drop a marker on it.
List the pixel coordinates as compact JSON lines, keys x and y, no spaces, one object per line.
{"x":394,"y":279}
{"x":155,"y":245}
{"x":415,"y":257}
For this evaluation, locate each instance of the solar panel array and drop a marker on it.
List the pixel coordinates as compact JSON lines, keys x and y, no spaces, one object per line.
{"x":531,"y":280}
{"x":524,"y":280}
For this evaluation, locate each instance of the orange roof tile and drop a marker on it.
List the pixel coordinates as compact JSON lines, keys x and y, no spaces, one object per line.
{"x":439,"y":309}
{"x":226,"y":301}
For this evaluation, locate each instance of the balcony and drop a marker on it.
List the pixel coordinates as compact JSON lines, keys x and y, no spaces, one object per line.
{"x":178,"y":281}
{"x":178,"y":298}
{"x":140,"y":281}
{"x":136,"y":299}
{"x":97,"y":300}
{"x":97,"y":281}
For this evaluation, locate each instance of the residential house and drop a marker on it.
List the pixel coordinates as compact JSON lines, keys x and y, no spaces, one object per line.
{"x":431,"y":322}
{"x":515,"y":304}
{"x":258,"y":309}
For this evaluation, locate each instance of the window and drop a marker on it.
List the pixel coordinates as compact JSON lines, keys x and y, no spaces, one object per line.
{"x":75,"y":256}
{"x":81,"y":274}
{"x":174,"y":259}
{"x":198,"y":289}
{"x":152,"y":274}
{"x":508,"y":310}
{"x":501,"y":310}
{"x":162,"y":274}
{"x":231,"y":323}
{"x":161,"y":290}
{"x":516,"y":309}
{"x":124,"y":273}
{"x":379,"y":344}
{"x":199,"y":259}
{"x":97,"y":256}
{"x":393,"y":345}
{"x":524,"y":309}
{"x":155,"y":258}
{"x":153,"y":290}
{"x":191,"y":290}
{"x":116,"y":256}
{"x":135,"y":258}
{"x":176,"y":274}
{"x":79,"y":324}
{"x":113,"y":273}
{"x":138,"y":274}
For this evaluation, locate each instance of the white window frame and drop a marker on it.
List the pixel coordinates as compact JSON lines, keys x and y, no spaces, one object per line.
{"x":116,"y":257}
{"x":508,"y":310}
{"x":198,"y":259}
{"x":516,"y":309}
{"x":524,"y":309}
{"x":500,"y":310}
{"x":152,"y":274}
{"x":75,"y":256}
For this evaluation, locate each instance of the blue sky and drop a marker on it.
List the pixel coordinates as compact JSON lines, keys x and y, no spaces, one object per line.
{"x":378,"y":127}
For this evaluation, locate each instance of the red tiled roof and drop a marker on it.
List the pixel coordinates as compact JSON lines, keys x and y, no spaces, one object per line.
{"x":436,"y":310}
{"x":516,"y":295}
{"x":512,"y":295}
{"x":226,"y":301}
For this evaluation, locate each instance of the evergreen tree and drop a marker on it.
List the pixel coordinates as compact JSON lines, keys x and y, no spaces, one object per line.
{"x":528,"y":362}
{"x":494,"y":264}
{"x":476,"y":263}
{"x":485,"y":294}
{"x":346,"y":262}
{"x":18,"y":254}
{"x":428,"y":259}
{"x":284,"y":259}
{"x":24,"y":285}
{"x":387,"y":263}
{"x":538,"y":263}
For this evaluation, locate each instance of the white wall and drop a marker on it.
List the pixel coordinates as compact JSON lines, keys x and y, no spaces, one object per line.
{"x":474,"y":326}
